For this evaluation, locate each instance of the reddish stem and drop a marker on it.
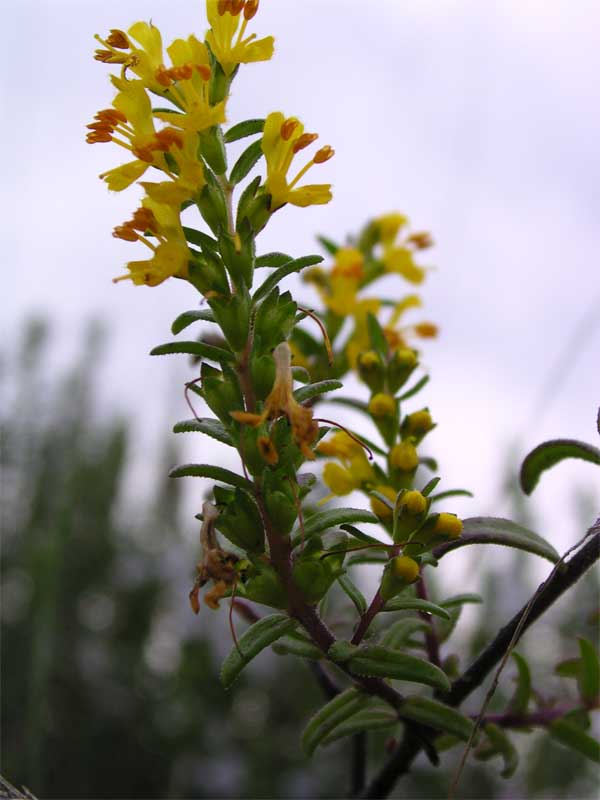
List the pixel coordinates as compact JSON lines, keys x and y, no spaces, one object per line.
{"x":377,"y":604}
{"x":431,"y":640}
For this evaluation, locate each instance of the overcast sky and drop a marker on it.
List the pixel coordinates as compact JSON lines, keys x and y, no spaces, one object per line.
{"x":479,"y":120}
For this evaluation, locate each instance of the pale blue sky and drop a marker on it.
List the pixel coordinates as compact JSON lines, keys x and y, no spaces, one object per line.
{"x":479,"y":120}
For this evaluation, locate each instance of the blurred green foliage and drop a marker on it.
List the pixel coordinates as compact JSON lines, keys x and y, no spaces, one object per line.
{"x":110,"y":684}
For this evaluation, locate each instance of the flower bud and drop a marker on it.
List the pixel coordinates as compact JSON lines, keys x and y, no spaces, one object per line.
{"x":448,"y":525}
{"x":404,"y":457}
{"x":382,"y":405}
{"x":399,"y":573}
{"x":371,"y":370}
{"x":417,"y":424}
{"x":401,"y":366}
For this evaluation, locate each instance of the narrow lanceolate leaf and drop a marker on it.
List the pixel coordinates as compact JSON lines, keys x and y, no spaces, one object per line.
{"x":430,"y":486}
{"x":451,"y":493}
{"x":210,"y":471}
{"x":501,"y":744}
{"x":370,"y":719}
{"x":546,"y":455}
{"x":287,"y":269}
{"x":414,"y":389}
{"x":398,"y":634}
{"x":520,"y":699}
{"x":211,"y":427}
{"x":589,"y":676}
{"x":323,"y":520}
{"x":438,"y":716}
{"x":360,"y":535}
{"x":272,"y":260}
{"x":461,"y":599}
{"x":245,"y":162}
{"x":313,"y":389}
{"x":188,"y":317}
{"x":376,"y":335}
{"x":415,"y":604}
{"x":249,"y":127}
{"x":354,"y":593}
{"x":573,"y":737}
{"x":329,"y":246}
{"x":493,"y":530}
{"x":336,"y":712}
{"x":200,"y":349}
{"x":201,"y":239}
{"x":376,"y":660}
{"x":290,"y":645}
{"x":350,"y":402}
{"x":260,"y":635}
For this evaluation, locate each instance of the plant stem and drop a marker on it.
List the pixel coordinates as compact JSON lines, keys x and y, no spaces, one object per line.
{"x":367,"y":618}
{"x":358,"y":764}
{"x":431,"y":640}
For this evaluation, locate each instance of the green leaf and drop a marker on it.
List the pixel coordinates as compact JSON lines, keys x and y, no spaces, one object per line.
{"x":414,"y":389}
{"x":570,"y":668}
{"x":494,"y":530}
{"x":329,"y":246}
{"x":385,"y":663}
{"x":249,"y":127}
{"x":201,"y":239}
{"x":370,"y":719}
{"x":260,"y":635}
{"x":246,"y":162}
{"x":272,"y":260}
{"x":461,"y":599}
{"x":437,"y":715}
{"x":589,"y":681}
{"x":200,"y":349}
{"x":415,"y":604}
{"x":382,"y":498}
{"x":367,"y":558}
{"x":297,"y":646}
{"x":310,"y":390}
{"x":207,"y":425}
{"x":358,"y":534}
{"x":210,"y":471}
{"x":451,"y":493}
{"x":376,"y":335}
{"x":546,"y":455}
{"x":279,"y":274}
{"x":573,"y":737}
{"x":323,"y":520}
{"x":429,"y":487}
{"x":430,"y":463}
{"x":502,"y":745}
{"x":398,"y":634}
{"x":354,"y":593}
{"x":334,"y":713}
{"x":520,"y":699}
{"x":188,"y":317}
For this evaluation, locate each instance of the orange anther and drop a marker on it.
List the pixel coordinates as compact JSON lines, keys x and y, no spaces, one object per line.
{"x":421,"y":240}
{"x":126,"y":232}
{"x":144,"y":153}
{"x":287,"y":128}
{"x":250,"y":9}
{"x":111,"y":115}
{"x":427,"y":330}
{"x":304,"y":141}
{"x":236,"y":7}
{"x":204,"y":71}
{"x":98,"y":136}
{"x":101,"y":127}
{"x":223,"y":6}
{"x":183,"y":72}
{"x":103,"y":55}
{"x":168,"y":137}
{"x":324,"y":154}
{"x":118,"y":39}
{"x":143,"y":220}
{"x":163,"y":76}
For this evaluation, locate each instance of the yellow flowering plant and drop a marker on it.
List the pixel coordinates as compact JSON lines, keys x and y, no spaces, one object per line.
{"x":267,"y":542}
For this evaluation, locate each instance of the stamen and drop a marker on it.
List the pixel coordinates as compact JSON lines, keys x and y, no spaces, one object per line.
{"x":182,"y":73}
{"x":125,"y":232}
{"x":223,"y":6}
{"x":144,"y":220}
{"x":204,"y":71}
{"x":236,"y":7}
{"x":348,"y":433}
{"x":163,"y":77}
{"x":324,"y":154}
{"x":98,"y":136}
{"x":287,"y":128}
{"x":143,"y":153}
{"x":421,"y":240}
{"x":168,"y":137}
{"x":118,"y":39}
{"x":250,"y":9}
{"x":111,"y":115}
{"x":304,"y":141}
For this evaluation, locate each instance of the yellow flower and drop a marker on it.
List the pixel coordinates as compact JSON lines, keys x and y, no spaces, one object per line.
{"x":144,"y":60}
{"x":281,"y":402}
{"x":224,"y":17}
{"x":341,"y":446}
{"x":448,"y":525}
{"x":406,"y":568}
{"x":282,"y":139}
{"x":414,"y":502}
{"x":388,"y":226}
{"x":418,"y":423}
{"x":382,"y":405}
{"x":396,"y":337}
{"x":404,"y":457}
{"x":170,"y":254}
{"x":401,"y":261}
{"x":344,"y":282}
{"x":339,"y":479}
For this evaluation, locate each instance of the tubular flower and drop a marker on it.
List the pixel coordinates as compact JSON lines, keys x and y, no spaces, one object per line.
{"x":356,"y":470}
{"x":281,"y":402}
{"x":216,"y":564}
{"x":344,"y":282}
{"x":224,"y":17}
{"x":143,"y":60}
{"x":398,"y":256}
{"x":397,"y":337}
{"x":187,"y":85}
{"x":130,"y":125}
{"x":170,"y":256}
{"x":282,"y":139}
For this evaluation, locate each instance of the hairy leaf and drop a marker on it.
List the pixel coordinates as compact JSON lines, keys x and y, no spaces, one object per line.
{"x":245,"y":162}
{"x":494,"y":530}
{"x":415,"y":604}
{"x":437,"y":715}
{"x":328,"y":245}
{"x":260,"y":635}
{"x":385,"y":663}
{"x":272,"y":260}
{"x":461,"y":599}
{"x":501,"y":744}
{"x":520,"y":699}
{"x":188,"y":317}
{"x":200,"y":349}
{"x":370,"y":719}
{"x":398,"y":634}
{"x":297,"y":646}
{"x":414,"y":389}
{"x":358,"y":534}
{"x":589,"y":681}
{"x":334,"y":713}
{"x":207,"y":425}
{"x":201,"y":239}
{"x":249,"y":127}
{"x":573,"y":737}
{"x":210,"y":471}
{"x":451,"y":493}
{"x":546,"y":455}
{"x":313,"y":389}
{"x":279,"y":274}
{"x":354,"y":593}
{"x":323,"y":520}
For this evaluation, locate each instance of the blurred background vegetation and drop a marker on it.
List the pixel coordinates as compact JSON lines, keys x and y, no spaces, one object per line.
{"x":110,"y":684}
